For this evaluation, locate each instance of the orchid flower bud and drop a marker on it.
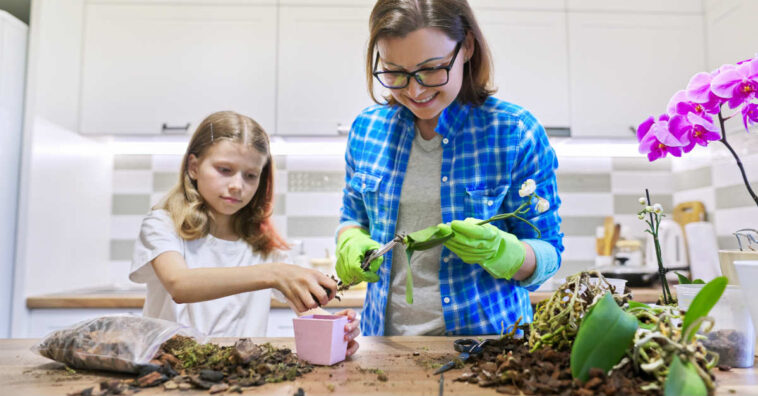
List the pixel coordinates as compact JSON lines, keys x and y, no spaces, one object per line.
{"x":542,"y":205}
{"x":527,"y":188}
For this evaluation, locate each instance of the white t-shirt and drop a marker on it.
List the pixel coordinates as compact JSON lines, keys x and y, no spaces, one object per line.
{"x":240,"y":315}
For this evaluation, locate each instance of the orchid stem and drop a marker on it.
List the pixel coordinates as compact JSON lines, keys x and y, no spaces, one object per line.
{"x":736,"y":158}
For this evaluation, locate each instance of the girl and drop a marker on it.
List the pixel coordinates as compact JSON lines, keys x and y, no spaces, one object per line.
{"x":208,"y":251}
{"x":441,"y":149}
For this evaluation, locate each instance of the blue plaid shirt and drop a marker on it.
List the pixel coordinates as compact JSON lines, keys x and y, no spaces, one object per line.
{"x":488,"y":152}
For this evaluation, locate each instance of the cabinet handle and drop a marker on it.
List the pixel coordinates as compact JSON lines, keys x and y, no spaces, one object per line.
{"x":343,"y":129}
{"x":175,"y":129}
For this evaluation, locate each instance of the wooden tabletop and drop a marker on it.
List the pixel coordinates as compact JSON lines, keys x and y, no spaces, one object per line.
{"x":352,"y":298}
{"x":22,"y":372}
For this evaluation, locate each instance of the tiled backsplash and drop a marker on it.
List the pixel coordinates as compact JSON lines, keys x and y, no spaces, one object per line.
{"x":308,"y":197}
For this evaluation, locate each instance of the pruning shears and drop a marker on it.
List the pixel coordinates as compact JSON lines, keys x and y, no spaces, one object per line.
{"x":467,"y":347}
{"x":374,"y":254}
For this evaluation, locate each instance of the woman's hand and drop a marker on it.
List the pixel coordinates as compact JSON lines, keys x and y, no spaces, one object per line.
{"x":305,"y":288}
{"x":352,"y":330}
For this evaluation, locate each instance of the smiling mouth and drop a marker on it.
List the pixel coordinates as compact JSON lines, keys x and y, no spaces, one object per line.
{"x":424,"y":101}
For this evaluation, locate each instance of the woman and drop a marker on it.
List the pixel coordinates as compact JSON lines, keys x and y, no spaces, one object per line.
{"x":441,"y":150}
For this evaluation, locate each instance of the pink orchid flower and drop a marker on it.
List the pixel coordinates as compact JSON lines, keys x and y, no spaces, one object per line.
{"x":738,"y":84}
{"x":681,"y":103}
{"x":657,"y":139}
{"x":696,"y":129}
{"x":699,"y":92}
{"x":750,"y":115}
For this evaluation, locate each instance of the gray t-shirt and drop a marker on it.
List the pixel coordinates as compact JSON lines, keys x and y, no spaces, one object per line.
{"x":419,"y":209}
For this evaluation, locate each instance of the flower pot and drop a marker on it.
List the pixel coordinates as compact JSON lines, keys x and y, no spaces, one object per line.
{"x":727,"y":259}
{"x":732,"y":335}
{"x":320,"y":339}
{"x":747,"y":271}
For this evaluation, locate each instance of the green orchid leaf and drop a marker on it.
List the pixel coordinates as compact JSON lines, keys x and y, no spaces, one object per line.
{"x":683,"y":379}
{"x":428,"y":238}
{"x":698,"y":282}
{"x":683,"y":280}
{"x":637,"y":304}
{"x":705,"y":299}
{"x":604,"y":336}
{"x":409,"y":279}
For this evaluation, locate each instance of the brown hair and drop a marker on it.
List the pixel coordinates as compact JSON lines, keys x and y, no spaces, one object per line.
{"x":397,"y":18}
{"x":187,"y":207}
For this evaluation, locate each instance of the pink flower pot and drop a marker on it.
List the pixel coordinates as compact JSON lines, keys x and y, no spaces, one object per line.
{"x":320,"y":339}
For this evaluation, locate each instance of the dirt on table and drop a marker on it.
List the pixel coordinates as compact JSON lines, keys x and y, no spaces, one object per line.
{"x":507,"y":365}
{"x":183,"y":364}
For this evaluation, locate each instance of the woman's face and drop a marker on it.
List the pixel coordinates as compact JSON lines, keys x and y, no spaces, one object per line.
{"x":423,"y":48}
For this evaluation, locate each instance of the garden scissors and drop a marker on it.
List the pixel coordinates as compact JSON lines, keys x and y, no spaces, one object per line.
{"x":372,"y":255}
{"x":467,"y":347}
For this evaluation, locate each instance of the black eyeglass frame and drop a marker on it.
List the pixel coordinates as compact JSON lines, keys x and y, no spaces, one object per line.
{"x":415,"y":73}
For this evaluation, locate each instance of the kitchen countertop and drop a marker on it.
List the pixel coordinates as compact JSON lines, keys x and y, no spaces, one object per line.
{"x":23,"y":372}
{"x":105,"y":298}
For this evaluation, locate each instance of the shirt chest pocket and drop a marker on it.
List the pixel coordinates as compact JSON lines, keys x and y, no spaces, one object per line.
{"x":483,"y":203}
{"x":367,"y":185}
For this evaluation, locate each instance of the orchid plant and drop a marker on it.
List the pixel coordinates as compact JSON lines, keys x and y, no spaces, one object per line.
{"x":692,"y":114}
{"x":655,"y":212}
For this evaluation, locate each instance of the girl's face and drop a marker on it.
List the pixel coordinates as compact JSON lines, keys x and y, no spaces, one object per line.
{"x":420,"y":49}
{"x":227,"y":176}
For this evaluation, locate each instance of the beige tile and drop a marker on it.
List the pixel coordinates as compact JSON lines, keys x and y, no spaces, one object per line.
{"x":121,"y":249}
{"x":584,"y":182}
{"x":692,"y":179}
{"x":280,"y":204}
{"x":299,"y":181}
{"x":580,"y":225}
{"x":308,"y":227}
{"x":735,"y":196}
{"x":130,"y":204}
{"x":163,"y":181}
{"x":121,"y":162}
{"x":629,"y":204}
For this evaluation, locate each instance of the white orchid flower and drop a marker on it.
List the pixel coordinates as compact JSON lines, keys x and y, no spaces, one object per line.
{"x":658,"y":208}
{"x":542,"y":205}
{"x":527,"y":188}
{"x":648,"y":208}
{"x":642,"y":200}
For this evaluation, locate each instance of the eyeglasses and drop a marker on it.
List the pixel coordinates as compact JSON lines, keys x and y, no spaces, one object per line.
{"x":428,"y":77}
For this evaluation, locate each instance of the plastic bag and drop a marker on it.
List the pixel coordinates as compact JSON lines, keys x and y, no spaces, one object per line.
{"x":122,"y":343}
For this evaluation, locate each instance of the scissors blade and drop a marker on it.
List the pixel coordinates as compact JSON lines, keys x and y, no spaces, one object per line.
{"x":375,"y":254}
{"x":445,"y":367}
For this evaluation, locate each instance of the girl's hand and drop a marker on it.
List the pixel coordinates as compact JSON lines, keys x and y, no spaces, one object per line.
{"x":352,"y":330}
{"x":305,"y":288}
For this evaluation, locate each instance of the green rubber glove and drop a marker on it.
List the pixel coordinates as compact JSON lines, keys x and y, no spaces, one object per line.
{"x":498,"y":252}
{"x":352,"y":245}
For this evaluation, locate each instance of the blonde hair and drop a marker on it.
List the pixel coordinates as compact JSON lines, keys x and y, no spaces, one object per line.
{"x":397,"y":18}
{"x":187,"y":207}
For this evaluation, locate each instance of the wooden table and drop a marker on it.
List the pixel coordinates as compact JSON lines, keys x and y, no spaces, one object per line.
{"x":22,"y":372}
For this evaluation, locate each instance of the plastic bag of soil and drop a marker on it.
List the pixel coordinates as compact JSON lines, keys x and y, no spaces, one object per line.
{"x":123,"y":343}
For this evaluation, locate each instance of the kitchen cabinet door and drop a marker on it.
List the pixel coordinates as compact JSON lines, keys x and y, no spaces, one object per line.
{"x":625,"y":67}
{"x":321,"y":76}
{"x":531,"y":61}
{"x":152,"y":68}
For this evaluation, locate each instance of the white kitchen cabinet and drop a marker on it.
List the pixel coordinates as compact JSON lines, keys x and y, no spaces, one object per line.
{"x":530,"y":61}
{"x":625,"y":67}
{"x":321,"y":76}
{"x":152,"y":68}
{"x":732,"y":32}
